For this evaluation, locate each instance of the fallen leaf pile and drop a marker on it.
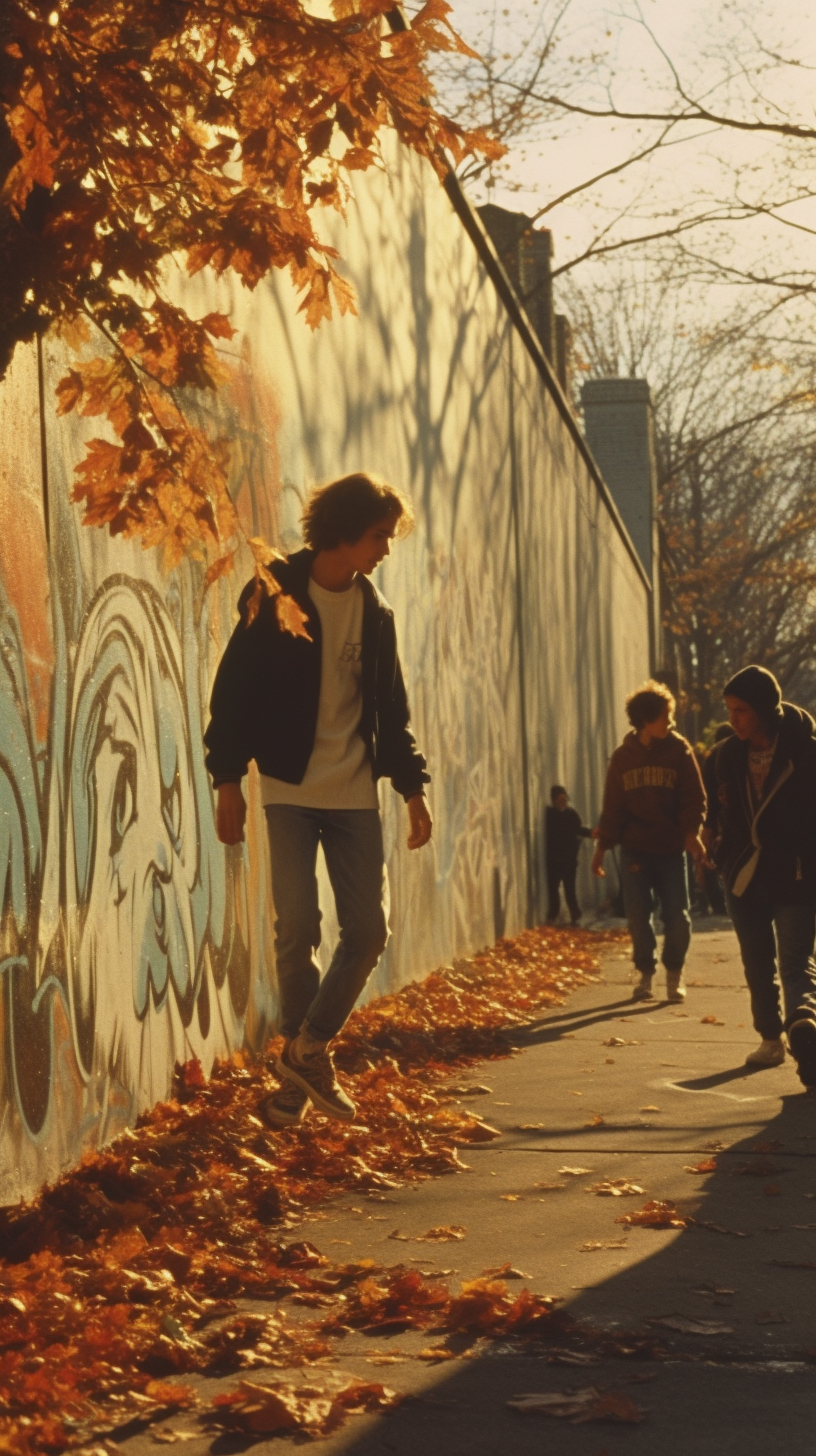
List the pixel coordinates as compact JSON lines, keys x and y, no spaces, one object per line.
{"x":122,"y":1277}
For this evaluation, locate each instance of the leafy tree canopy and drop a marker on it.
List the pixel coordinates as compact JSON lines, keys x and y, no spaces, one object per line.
{"x":209,"y":132}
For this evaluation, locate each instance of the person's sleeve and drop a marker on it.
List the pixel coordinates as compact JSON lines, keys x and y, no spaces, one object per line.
{"x":692,"y":798}
{"x":581,"y":830}
{"x":408,"y":768}
{"x":613,"y":813}
{"x":228,"y":738}
{"x":711,"y":786}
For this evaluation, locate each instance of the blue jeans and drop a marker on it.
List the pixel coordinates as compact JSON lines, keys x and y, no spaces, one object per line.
{"x":757,"y":915}
{"x":353,"y":849}
{"x":664,"y":876}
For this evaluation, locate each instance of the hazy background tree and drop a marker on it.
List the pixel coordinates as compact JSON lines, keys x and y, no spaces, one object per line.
{"x":677,"y":169}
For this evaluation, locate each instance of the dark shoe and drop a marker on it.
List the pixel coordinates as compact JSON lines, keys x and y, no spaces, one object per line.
{"x":285,"y":1107}
{"x":802,"y":1042}
{"x":316,"y":1076}
{"x":769,"y":1053}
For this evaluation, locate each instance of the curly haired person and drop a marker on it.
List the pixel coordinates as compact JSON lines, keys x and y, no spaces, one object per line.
{"x":653,"y":807}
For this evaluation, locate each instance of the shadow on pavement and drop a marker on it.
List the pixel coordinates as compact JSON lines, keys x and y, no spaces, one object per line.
{"x":552,"y":1028}
{"x":744,"y":1386}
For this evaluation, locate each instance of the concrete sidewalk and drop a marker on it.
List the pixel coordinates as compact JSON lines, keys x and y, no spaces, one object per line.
{"x":634,"y":1092}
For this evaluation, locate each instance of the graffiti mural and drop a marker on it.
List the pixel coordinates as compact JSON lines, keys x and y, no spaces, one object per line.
{"x":124,"y":925}
{"x":129,"y":938}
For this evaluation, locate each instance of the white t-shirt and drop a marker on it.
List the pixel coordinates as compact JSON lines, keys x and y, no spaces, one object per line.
{"x":338,"y":775}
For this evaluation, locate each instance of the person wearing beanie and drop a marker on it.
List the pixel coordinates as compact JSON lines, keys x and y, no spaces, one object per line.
{"x":653,"y":808}
{"x":563,"y":832}
{"x":761,"y":830}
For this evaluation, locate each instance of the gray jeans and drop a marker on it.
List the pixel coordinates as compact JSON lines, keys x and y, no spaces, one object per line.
{"x":353,"y":849}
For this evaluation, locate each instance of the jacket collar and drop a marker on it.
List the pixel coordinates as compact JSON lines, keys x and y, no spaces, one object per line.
{"x":293,"y":575}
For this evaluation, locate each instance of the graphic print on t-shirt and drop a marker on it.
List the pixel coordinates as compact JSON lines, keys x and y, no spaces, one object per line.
{"x":338,"y":775}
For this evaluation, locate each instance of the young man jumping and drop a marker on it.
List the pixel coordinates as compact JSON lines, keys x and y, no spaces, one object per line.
{"x":653,"y":808}
{"x":324,"y":717}
{"x":762,"y":831}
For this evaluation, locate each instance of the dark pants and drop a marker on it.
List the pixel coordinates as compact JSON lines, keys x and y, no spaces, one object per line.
{"x":647,"y":878}
{"x":353,"y":849}
{"x":774,"y":936}
{"x":557,"y":874}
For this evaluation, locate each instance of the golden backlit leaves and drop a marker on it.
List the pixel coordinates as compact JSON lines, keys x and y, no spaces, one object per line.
{"x":127,"y":1270}
{"x":205,"y":134}
{"x":291,"y":617}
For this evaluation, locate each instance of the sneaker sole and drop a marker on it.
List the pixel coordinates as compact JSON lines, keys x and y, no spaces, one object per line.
{"x":329,"y":1109}
{"x":802,"y":1042}
{"x":275,"y":1117}
{"x":764,"y":1061}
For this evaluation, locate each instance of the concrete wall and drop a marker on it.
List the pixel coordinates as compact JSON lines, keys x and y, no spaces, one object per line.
{"x":130,"y":937}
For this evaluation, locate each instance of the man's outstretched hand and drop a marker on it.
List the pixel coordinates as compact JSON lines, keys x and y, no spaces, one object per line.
{"x":421,"y":823}
{"x":230,"y":814}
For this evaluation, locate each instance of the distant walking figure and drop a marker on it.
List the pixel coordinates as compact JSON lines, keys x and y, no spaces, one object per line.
{"x":563,"y":832}
{"x":762,"y":829}
{"x":653,"y":808}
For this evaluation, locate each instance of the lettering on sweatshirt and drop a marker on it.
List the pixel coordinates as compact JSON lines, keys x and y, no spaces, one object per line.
{"x":649,"y":776}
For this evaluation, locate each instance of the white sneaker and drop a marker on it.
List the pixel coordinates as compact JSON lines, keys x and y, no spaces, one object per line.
{"x":675,"y":990}
{"x":769,"y":1053}
{"x":643,"y":989}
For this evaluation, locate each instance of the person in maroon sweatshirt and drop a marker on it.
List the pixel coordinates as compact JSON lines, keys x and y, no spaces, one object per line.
{"x":653,"y":807}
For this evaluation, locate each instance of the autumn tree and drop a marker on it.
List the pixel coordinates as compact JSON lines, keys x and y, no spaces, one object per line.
{"x":736,"y":459}
{"x":209,"y":134}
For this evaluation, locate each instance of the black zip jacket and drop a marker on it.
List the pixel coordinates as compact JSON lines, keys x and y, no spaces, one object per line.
{"x":772,"y":843}
{"x":266,"y":691}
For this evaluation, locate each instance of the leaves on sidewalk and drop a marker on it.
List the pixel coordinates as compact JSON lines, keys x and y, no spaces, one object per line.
{"x":691,"y":1326}
{"x":656,"y":1214}
{"x":579,"y":1406}
{"x":615,"y":1188}
{"x":128,"y":1267}
{"x":281,"y":1406}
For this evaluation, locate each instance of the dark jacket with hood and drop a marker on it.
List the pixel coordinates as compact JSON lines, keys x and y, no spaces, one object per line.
{"x":267,"y":688}
{"x":773,"y":842}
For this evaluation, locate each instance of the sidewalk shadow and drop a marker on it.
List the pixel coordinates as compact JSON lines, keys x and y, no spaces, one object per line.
{"x":732,"y":1245}
{"x":552,"y":1028}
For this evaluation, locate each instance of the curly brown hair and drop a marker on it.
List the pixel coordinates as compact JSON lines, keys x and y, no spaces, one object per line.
{"x":648,"y":703}
{"x":345,"y":509}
